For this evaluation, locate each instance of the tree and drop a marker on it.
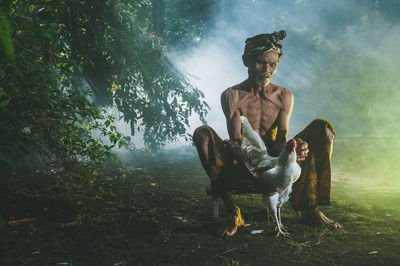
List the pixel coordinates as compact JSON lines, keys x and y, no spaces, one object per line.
{"x":131,"y":52}
{"x":60,"y":47}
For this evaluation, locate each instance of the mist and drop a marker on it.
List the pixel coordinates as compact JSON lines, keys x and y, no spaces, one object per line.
{"x":340,"y":59}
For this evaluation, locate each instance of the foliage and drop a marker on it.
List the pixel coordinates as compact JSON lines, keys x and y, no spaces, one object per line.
{"x":42,"y":109}
{"x":5,"y":36}
{"x":67,"y":52}
{"x":126,"y":62}
{"x":188,"y":21}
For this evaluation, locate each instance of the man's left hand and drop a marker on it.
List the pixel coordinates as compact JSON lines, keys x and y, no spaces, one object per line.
{"x":301,"y":150}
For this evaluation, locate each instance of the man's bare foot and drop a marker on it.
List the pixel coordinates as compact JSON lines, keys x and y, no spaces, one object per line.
{"x":233,"y":224}
{"x":314,"y":216}
{"x":234,"y":221}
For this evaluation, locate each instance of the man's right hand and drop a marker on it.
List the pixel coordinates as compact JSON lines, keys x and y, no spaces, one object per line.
{"x":302,"y":149}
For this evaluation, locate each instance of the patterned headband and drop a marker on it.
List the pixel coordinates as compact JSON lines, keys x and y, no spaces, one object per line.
{"x":262,"y":43}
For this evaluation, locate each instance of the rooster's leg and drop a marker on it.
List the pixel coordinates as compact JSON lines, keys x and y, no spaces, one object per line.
{"x":280,"y":221}
{"x":278,"y":224}
{"x":275,"y":213}
{"x":279,"y":216}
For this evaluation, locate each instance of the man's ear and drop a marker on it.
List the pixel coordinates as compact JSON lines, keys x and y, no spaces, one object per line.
{"x":245,"y":60}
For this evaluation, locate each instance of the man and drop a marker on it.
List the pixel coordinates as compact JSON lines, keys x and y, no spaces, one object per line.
{"x":268,"y":108}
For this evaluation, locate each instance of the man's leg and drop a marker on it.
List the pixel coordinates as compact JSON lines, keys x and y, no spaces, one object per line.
{"x":314,"y":216}
{"x":210,"y":148}
{"x":201,"y":140}
{"x":313,"y":186}
{"x":234,"y":218}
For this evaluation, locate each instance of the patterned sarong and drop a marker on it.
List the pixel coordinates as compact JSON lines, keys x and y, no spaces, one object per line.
{"x":311,"y":189}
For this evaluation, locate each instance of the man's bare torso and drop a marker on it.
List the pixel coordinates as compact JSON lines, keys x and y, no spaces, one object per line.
{"x":265,"y":109}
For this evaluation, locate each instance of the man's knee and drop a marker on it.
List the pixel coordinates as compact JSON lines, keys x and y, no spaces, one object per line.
{"x":201,"y":137}
{"x":326,"y":128}
{"x":329,"y":134}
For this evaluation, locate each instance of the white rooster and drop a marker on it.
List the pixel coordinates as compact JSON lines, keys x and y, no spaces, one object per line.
{"x":282,"y":171}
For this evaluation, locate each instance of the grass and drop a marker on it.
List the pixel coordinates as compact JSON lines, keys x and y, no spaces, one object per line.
{"x":154,"y":210}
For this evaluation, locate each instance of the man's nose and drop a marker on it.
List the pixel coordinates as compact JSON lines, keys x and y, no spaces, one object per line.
{"x":266,"y":68}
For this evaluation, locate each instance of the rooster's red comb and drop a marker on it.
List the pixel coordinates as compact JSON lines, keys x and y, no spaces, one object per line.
{"x":291,"y":145}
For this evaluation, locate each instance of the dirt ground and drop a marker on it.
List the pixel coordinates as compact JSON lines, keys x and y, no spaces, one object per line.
{"x":154,"y":210}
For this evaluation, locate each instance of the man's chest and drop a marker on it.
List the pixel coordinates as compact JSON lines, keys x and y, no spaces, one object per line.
{"x":259,"y":106}
{"x":261,"y":112}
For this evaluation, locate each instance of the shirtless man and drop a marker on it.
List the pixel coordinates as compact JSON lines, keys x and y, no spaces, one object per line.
{"x":268,"y":108}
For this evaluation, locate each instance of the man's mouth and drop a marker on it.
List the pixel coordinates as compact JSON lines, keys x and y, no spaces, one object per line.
{"x":263,"y":79}
{"x":263,"y":76}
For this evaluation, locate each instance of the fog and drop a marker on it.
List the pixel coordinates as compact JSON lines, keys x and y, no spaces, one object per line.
{"x":341,"y":61}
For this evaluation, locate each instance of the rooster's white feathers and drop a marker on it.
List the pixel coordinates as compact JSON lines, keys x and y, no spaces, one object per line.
{"x":282,"y":173}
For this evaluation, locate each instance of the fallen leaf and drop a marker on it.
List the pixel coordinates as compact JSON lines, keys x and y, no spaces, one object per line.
{"x":255,"y":232}
{"x":22,"y":221}
{"x":68,"y":224}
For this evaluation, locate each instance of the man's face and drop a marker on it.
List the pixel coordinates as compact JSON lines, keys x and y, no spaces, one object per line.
{"x":263,"y":67}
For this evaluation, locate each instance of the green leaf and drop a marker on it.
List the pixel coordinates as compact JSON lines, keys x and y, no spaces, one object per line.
{"x":112,"y":138}
{"x":116,"y":158}
{"x":4,"y":103}
{"x":5,"y":36}
{"x":52,"y":102}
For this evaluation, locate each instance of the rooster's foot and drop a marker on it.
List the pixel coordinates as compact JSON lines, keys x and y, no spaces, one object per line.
{"x":284,"y":234}
{"x":283,"y":228}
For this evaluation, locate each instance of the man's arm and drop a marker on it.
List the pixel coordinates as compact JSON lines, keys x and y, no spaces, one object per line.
{"x":230,"y":106}
{"x":283,"y":129}
{"x":287,"y":101}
